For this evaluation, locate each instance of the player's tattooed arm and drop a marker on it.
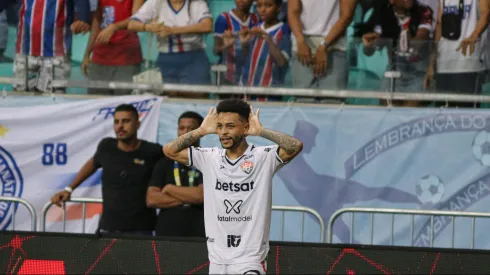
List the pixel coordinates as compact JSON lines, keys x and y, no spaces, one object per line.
{"x":177,"y":149}
{"x":186,"y":140}
{"x":289,"y":146}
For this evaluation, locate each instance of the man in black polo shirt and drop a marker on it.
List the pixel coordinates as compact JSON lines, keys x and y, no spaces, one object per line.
{"x":177,"y":190}
{"x":127,"y":164}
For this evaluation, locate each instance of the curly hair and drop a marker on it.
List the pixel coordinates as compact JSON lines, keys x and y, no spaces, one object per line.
{"x":234,"y":105}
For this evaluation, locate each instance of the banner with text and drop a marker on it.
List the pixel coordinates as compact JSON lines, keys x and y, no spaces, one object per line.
{"x":373,"y":157}
{"x":43,"y":147}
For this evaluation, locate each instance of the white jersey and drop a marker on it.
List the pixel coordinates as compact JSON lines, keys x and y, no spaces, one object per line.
{"x":450,"y":59}
{"x":237,"y":201}
{"x":192,"y":12}
{"x":318,"y":17}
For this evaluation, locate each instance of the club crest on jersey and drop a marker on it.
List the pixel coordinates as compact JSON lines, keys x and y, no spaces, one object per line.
{"x":247,"y":166}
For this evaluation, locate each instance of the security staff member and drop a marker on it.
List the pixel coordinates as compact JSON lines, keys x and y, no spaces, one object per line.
{"x":177,"y":190}
{"x":127,"y":164}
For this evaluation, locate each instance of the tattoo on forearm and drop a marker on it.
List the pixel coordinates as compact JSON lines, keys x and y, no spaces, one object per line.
{"x":288,"y":143}
{"x":185,"y":140}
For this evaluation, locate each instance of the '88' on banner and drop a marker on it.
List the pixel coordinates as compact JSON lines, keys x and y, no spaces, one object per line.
{"x":43,"y":149}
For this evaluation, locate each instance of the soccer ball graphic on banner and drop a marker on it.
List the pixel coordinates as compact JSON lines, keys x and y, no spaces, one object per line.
{"x":481,"y":148}
{"x":430,"y":189}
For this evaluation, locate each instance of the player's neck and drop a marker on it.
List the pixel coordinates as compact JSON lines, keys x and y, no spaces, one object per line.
{"x":236,"y":152}
{"x":128,"y":145}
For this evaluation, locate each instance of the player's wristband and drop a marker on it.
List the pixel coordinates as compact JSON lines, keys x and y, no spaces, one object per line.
{"x":69,"y":189}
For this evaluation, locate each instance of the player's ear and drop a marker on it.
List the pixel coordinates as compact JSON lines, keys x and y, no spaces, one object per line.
{"x":138,"y":124}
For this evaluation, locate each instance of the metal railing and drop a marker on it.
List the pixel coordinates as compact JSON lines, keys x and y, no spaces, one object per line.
{"x":303,"y":211}
{"x":83,"y":201}
{"x":283,"y":209}
{"x":412,"y":213}
{"x":27,"y":204}
{"x":322,"y":93}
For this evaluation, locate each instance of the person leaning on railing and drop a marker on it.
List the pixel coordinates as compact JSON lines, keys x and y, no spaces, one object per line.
{"x":127,"y":164}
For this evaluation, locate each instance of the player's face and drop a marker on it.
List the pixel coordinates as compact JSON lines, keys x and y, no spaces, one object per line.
{"x":243,"y":5}
{"x":125,"y":125}
{"x":267,"y":9}
{"x":402,"y":4}
{"x":231,"y":130}
{"x":186,"y":125}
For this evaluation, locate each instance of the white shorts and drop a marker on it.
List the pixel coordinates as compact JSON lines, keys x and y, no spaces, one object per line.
{"x":245,"y":269}
{"x":39,"y":72}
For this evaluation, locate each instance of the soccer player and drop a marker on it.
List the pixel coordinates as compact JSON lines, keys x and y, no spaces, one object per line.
{"x":237,"y":184}
{"x":227,"y":24}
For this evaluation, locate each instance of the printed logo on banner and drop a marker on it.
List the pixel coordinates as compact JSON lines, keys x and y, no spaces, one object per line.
{"x":11,"y":186}
{"x":328,"y":194}
{"x":144,"y":107}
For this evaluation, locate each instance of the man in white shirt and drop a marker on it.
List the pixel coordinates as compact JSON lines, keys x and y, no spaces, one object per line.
{"x":319,"y":45}
{"x":460,"y":59}
{"x":237,"y":184}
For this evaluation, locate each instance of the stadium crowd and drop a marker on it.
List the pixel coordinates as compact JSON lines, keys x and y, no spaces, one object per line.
{"x":436,"y":45}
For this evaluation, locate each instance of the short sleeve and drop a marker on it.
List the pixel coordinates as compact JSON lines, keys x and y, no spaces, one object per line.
{"x":200,"y":157}
{"x":200,"y":10}
{"x":427,"y":18}
{"x":272,"y":159}
{"x":159,"y":174}
{"x":100,"y":149}
{"x":285,"y":43}
{"x":82,"y":9}
{"x":147,"y":12}
{"x":220,"y":25}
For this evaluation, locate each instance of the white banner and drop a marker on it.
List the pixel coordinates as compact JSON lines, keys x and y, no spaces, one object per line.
{"x":43,"y":147}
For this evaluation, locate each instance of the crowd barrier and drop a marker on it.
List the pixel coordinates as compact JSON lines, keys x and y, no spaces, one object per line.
{"x":61,"y":253}
{"x":8,"y":204}
{"x":83,"y":201}
{"x":431,"y":213}
{"x":283,"y":209}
